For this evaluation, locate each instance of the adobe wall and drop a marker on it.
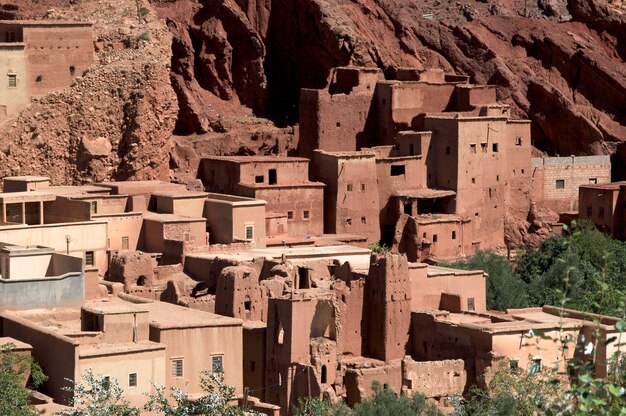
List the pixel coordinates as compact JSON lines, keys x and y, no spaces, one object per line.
{"x":44,"y":292}
{"x":388,"y":316}
{"x":604,"y":208}
{"x":518,"y":169}
{"x":297,"y":200}
{"x":238,"y":294}
{"x":390,"y":185}
{"x":350,"y":312}
{"x":149,"y":364}
{"x":228,"y":222}
{"x":287,"y":172}
{"x":427,"y":290}
{"x":254,"y":359}
{"x":121,"y":227}
{"x":400,"y":103}
{"x":55,"y":55}
{"x":197,"y":346}
{"x":12,"y":62}
{"x":219,"y":175}
{"x":469,"y":97}
{"x":55,"y":353}
{"x":114,"y":204}
{"x":448,"y":238}
{"x":83,"y":236}
{"x":574,"y":171}
{"x":64,"y":209}
{"x":434,"y":379}
{"x":351,"y":194}
{"x":358,"y":381}
{"x":155,"y":231}
{"x":336,"y":122}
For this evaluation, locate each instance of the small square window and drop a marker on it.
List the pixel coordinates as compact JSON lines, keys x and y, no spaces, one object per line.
{"x":514,"y":365}
{"x":132,"y":380}
{"x":349,"y":221}
{"x":259,"y":179}
{"x":494,"y":147}
{"x":94,"y":207}
{"x":12,"y":81}
{"x":124,"y":243}
{"x":106,"y":382}
{"x":593,"y":181}
{"x":472,"y":147}
{"x":518,"y":141}
{"x":349,"y":187}
{"x":535,"y":366}
{"x":560,"y":184}
{"x":470,"y":304}
{"x":290,"y":215}
{"x":306,"y":214}
{"x":522,"y":171}
{"x":249,"y":232}
{"x":338,"y":124}
{"x":89,"y":258}
{"x":217,"y":365}
{"x":474,"y":180}
{"x":177,"y":367}
{"x":363,"y":220}
{"x":397,"y":170}
{"x":362,"y":187}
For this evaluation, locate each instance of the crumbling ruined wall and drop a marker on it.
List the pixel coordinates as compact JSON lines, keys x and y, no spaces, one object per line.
{"x":434,"y":379}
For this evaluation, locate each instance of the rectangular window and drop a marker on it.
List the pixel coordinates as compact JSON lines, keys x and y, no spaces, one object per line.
{"x":470,"y":304}
{"x":12,"y":81}
{"x":483,"y":147}
{"x":601,"y":212}
{"x":217,"y":364}
{"x":124,"y":243}
{"x":518,"y":141}
{"x":514,"y":365}
{"x":397,"y":170}
{"x":177,"y":367}
{"x":94,"y":207}
{"x":494,"y":147}
{"x":474,"y":181}
{"x":535,"y":366}
{"x":593,"y":181}
{"x":434,"y":238}
{"x":132,"y":380}
{"x":363,"y":220}
{"x":473,"y":148}
{"x":89,"y":258}
{"x":259,"y":179}
{"x":305,"y":214}
{"x":447,"y":150}
{"x":560,"y":184}
{"x":362,"y":187}
{"x":106,"y":382}
{"x":349,"y":187}
{"x":454,"y":235}
{"x":273,"y":177}
{"x":589,"y":211}
{"x":249,"y":232}
{"x":290,"y":215}
{"x":349,"y":221}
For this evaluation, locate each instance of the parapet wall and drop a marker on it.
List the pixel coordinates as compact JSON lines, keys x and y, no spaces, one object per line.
{"x":47,"y":292}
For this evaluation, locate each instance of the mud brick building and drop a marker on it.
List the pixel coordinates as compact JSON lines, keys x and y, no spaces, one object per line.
{"x":281,"y":181}
{"x":604,"y":205}
{"x":38,"y":57}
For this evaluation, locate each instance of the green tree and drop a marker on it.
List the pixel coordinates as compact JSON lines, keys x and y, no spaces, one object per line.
{"x":504,"y":288}
{"x":98,"y":395}
{"x":384,"y":402}
{"x":14,"y":368}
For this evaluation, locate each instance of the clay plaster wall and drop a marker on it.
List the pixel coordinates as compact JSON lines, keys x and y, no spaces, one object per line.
{"x":12,"y":62}
{"x":228,"y":221}
{"x":56,"y":353}
{"x":443,"y":378}
{"x":254,"y":358}
{"x":449,"y":238}
{"x":518,"y":169}
{"x":426,"y":290}
{"x":358,"y":381}
{"x":197,"y":346}
{"x":154,"y":232}
{"x":122,"y":228}
{"x":351,"y":202}
{"x":64,"y":209}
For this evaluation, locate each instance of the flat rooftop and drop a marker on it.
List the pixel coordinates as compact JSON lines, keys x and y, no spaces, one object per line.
{"x":27,"y":178}
{"x":17,"y":345}
{"x":434,"y":271}
{"x":180,"y":194}
{"x":169,"y":218}
{"x":611,"y":186}
{"x":27,"y":196}
{"x":114,"y":308}
{"x":258,"y":159}
{"x":44,"y":23}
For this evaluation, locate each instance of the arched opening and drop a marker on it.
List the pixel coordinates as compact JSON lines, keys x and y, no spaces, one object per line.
{"x":141,"y":281}
{"x":324,"y":374}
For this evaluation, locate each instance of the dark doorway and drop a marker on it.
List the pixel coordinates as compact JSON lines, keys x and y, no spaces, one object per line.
{"x":272,"y":177}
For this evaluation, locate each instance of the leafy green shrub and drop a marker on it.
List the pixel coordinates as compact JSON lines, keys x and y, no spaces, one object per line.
{"x":14,"y":397}
{"x":378,"y":248}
